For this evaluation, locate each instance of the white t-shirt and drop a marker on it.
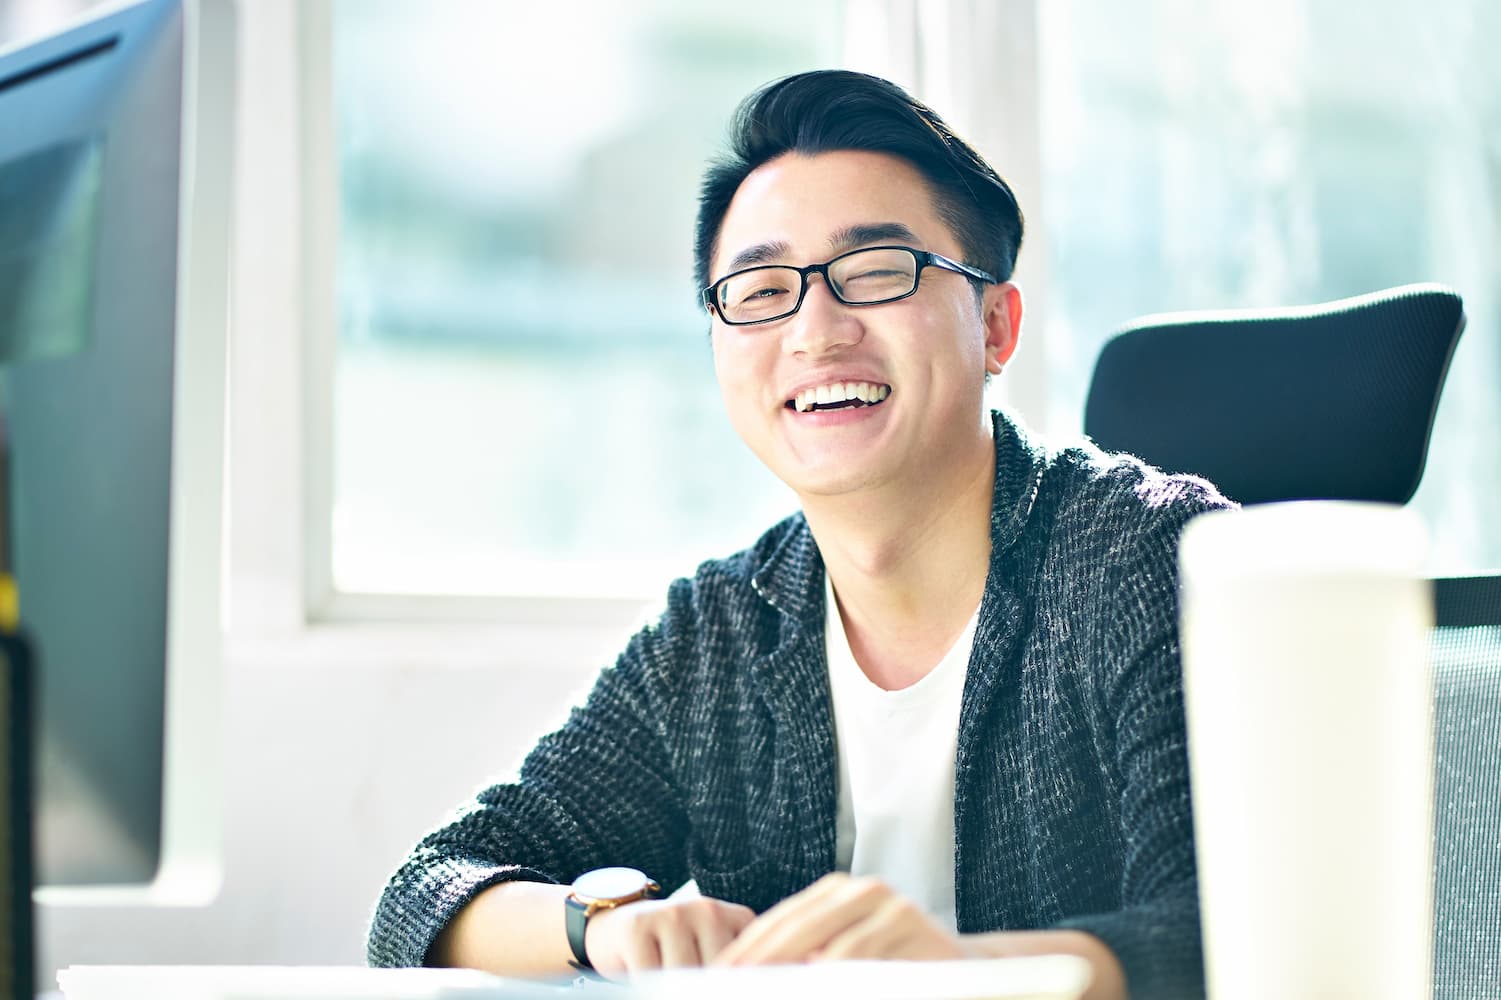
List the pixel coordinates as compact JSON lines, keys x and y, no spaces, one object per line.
{"x":896,"y":770}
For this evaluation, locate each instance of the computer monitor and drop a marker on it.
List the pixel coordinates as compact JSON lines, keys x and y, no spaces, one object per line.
{"x":115,"y":167}
{"x":16,"y":952}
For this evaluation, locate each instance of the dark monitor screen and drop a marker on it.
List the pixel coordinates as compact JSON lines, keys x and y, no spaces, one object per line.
{"x":16,"y":953}
{"x":98,"y":201}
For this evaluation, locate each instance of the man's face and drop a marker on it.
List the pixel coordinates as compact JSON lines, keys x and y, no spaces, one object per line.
{"x":928,"y":353}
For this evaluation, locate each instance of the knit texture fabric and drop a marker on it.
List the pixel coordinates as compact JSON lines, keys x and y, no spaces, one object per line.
{"x":707,"y":751}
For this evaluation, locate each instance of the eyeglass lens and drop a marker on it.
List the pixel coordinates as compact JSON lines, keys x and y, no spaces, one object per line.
{"x":862,"y":277}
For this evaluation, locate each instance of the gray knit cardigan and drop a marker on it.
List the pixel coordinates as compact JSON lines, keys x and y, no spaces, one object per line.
{"x":707,"y":751}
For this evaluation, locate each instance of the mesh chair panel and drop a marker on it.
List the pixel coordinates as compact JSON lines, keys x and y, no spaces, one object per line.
{"x":1466,"y":656}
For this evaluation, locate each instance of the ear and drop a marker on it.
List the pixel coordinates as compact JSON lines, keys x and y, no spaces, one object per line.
{"x":1002,"y":314}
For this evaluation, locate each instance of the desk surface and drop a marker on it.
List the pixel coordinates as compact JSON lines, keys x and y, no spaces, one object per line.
{"x":1054,"y":977}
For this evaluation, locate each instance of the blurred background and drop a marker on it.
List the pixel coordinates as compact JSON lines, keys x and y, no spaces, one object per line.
{"x":474,"y":427}
{"x":511,"y":263}
{"x":516,"y":191}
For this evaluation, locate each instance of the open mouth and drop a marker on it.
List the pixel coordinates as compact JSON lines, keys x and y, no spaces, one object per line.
{"x":839,"y":396}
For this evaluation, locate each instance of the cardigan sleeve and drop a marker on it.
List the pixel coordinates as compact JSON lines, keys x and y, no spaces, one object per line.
{"x":1155,"y":933}
{"x":597,"y":792}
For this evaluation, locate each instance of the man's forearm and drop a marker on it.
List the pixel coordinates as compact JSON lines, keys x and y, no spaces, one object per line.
{"x":511,"y":929}
{"x":517,"y":929}
{"x":1109,"y":981}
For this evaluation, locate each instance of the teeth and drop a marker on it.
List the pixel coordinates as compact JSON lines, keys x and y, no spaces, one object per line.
{"x":839,"y":392}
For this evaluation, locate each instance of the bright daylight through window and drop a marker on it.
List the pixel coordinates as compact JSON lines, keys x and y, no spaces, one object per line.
{"x":524,"y":397}
{"x":1281,"y":153}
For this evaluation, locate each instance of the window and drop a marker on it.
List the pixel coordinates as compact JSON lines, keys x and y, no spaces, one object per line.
{"x":524,"y":397}
{"x":1222,"y":155}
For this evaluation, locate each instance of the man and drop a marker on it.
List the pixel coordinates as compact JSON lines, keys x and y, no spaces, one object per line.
{"x":936,"y":714}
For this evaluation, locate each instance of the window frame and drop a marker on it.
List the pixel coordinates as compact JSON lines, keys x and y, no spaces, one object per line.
{"x":928,"y":47}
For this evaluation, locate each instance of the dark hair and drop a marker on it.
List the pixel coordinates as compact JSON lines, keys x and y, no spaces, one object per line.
{"x":827,"y":110}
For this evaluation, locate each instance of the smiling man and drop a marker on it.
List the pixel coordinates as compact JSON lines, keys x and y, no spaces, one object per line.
{"x":936,"y":714}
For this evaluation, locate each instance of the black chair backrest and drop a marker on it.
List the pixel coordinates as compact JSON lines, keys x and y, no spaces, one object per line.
{"x":1467,"y":788}
{"x":1333,"y":401}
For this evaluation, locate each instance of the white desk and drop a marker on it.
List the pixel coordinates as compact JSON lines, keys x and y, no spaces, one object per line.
{"x":1054,"y":977}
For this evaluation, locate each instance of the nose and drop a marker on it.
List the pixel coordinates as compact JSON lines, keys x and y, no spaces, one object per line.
{"x":822,"y":323}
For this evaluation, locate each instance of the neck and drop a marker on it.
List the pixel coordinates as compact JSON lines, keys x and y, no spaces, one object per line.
{"x":908,"y":563}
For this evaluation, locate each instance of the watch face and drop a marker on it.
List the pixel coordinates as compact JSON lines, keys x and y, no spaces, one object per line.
{"x":610,"y":883}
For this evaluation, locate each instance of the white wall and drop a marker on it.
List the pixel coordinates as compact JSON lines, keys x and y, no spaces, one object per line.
{"x":341,"y":746}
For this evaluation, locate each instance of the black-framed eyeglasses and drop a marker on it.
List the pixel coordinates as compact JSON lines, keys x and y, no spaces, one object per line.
{"x":865,"y":277}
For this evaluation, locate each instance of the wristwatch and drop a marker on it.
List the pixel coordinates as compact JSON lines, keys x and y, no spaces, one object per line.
{"x":601,"y":889}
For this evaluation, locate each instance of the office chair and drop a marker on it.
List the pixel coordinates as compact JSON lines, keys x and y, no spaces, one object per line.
{"x":1336,"y":401}
{"x":1466,"y":657}
{"x":1333,"y":401}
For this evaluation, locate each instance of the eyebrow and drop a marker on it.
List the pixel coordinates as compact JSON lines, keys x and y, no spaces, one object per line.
{"x":851,"y":237}
{"x":761,"y":253}
{"x":844,"y":239}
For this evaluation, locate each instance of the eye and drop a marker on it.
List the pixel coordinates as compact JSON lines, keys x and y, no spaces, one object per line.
{"x":762,"y":292}
{"x":879,"y":274}
{"x":759,"y":293}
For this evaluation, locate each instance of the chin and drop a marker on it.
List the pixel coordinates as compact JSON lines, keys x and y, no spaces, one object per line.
{"x":829,"y":484}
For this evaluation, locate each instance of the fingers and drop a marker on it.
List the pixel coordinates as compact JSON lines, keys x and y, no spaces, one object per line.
{"x":881,"y":936}
{"x":838,"y":917}
{"x":692,"y":934}
{"x":676,"y":949}
{"x":639,"y":952}
{"x":800,"y":926}
{"x":663,"y":934}
{"x":841,"y":917}
{"x":716,"y":935}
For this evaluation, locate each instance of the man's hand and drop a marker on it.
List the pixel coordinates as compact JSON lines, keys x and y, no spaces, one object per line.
{"x":840,"y":917}
{"x":662,"y":934}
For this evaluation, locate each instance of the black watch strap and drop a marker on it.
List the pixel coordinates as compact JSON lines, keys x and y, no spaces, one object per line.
{"x":600,"y":889}
{"x":576,"y":920}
